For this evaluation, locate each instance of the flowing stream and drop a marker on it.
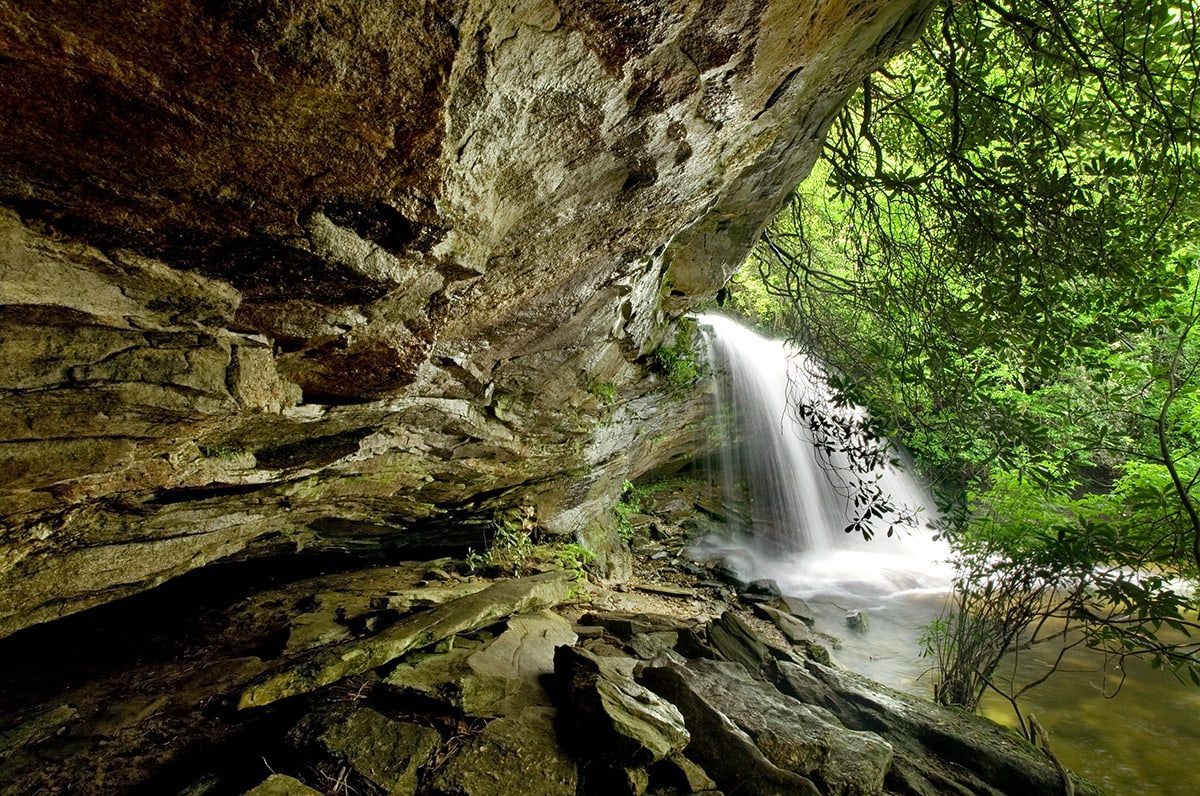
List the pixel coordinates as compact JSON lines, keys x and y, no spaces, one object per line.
{"x":788,"y":499}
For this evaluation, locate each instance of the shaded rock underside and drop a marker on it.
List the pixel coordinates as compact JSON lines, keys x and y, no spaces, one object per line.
{"x":354,"y":277}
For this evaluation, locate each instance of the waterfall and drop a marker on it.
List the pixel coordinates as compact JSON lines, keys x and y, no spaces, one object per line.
{"x":785,"y":506}
{"x":789,"y":492}
{"x":783,"y":467}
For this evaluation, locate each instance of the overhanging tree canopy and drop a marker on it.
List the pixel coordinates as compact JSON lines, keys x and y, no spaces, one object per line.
{"x":999,"y":257}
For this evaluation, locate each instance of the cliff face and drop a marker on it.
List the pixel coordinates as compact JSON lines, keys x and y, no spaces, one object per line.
{"x":358,"y":275}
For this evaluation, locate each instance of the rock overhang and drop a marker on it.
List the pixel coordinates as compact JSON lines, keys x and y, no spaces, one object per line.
{"x":271,"y":263}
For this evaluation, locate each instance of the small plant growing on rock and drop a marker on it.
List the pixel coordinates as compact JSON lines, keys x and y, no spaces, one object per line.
{"x":604,"y":391}
{"x":678,"y":358}
{"x":574,"y":558}
{"x":629,"y":504}
{"x":513,"y":549}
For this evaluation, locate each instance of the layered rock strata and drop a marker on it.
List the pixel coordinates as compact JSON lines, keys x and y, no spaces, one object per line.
{"x":282,"y":275}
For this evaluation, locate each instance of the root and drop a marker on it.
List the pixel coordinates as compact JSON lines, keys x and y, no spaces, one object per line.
{"x":1042,"y":741}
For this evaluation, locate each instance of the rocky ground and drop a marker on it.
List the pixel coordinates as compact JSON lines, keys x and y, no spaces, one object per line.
{"x":509,"y":672}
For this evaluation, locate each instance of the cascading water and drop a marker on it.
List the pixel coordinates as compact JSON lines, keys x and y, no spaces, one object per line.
{"x":787,"y":506}
{"x":789,"y":494}
{"x":782,"y":464}
{"x":782,"y":497}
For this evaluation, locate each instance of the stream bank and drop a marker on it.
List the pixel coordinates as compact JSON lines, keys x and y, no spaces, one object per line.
{"x":499,"y":674}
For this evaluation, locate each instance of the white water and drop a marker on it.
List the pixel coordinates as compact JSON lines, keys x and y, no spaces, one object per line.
{"x":1130,"y":745}
{"x":790,"y":504}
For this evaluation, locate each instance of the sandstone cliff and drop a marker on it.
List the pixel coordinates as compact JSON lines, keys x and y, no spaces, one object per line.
{"x":282,"y":275}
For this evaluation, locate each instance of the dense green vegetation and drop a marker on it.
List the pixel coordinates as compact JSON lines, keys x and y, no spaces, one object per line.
{"x":998,"y":254}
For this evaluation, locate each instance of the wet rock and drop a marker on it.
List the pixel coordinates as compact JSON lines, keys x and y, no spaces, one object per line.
{"x":498,"y":676}
{"x":731,"y":576}
{"x":736,"y":641}
{"x":611,"y":716}
{"x":793,"y":629}
{"x":281,"y":785}
{"x":513,"y":754}
{"x":760,"y":591}
{"x":802,"y":738}
{"x":936,"y":751}
{"x":384,"y":752}
{"x":325,"y":665}
{"x":682,"y":774}
{"x":818,"y":653}
{"x":726,"y":752}
{"x":797,"y":607}
{"x":857,"y":620}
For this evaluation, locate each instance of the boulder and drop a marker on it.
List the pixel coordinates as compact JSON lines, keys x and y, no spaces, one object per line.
{"x":792,"y":627}
{"x":724,"y":750}
{"x":761,"y":591}
{"x":281,"y":785}
{"x":937,"y":751}
{"x":386,"y":753}
{"x":610,"y":716}
{"x":733,"y":638}
{"x":806,"y":739}
{"x":797,"y":607}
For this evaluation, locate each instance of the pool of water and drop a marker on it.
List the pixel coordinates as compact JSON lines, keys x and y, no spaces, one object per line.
{"x":1133,"y":731}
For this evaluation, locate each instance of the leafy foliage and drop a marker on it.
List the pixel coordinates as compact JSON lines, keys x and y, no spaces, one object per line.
{"x":678,"y":359}
{"x":512,"y":550}
{"x":998,"y":256}
{"x":629,"y":505}
{"x":995,"y":213}
{"x":1042,"y":568}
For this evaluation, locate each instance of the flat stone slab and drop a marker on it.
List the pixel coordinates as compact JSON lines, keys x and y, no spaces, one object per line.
{"x":665,"y":590}
{"x":388,"y":753}
{"x":322,"y":625}
{"x":495,"y":677}
{"x":326,"y":665}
